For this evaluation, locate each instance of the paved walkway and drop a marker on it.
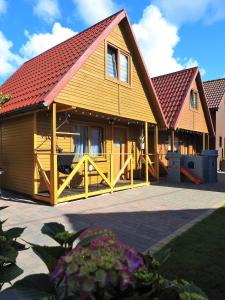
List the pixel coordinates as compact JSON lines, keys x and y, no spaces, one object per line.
{"x":144,"y":217}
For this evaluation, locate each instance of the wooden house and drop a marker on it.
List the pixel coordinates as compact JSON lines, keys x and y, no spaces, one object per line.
{"x":184,"y":106}
{"x":215,"y":95}
{"x":77,"y":123}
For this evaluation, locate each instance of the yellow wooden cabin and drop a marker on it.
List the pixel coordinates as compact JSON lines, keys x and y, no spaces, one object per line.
{"x":77,"y":123}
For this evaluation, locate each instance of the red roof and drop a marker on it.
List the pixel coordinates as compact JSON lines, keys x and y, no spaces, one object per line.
{"x":35,"y":79}
{"x":172,"y":90}
{"x":215,"y":91}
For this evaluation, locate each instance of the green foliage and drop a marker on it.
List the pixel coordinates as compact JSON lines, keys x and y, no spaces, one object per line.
{"x":94,"y":264}
{"x":4,"y":98}
{"x":9,"y":248}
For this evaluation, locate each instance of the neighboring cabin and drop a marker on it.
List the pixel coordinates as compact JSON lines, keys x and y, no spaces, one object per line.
{"x":77,"y":124}
{"x":184,"y":106}
{"x":215,"y":94}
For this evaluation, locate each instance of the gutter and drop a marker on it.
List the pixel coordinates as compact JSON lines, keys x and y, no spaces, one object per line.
{"x":25,"y":109}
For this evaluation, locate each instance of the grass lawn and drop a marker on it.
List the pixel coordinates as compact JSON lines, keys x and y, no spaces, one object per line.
{"x":198,"y":256}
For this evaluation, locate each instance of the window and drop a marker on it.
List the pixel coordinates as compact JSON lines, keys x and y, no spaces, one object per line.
{"x":80,"y":141}
{"x":96,"y":141}
{"x":118,"y":64}
{"x":124,"y":68}
{"x":220,"y":141}
{"x":193,"y":104}
{"x":81,"y":145}
{"x":112,"y":62}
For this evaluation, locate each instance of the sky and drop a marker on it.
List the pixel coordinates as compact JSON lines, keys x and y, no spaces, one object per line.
{"x":172,"y":34}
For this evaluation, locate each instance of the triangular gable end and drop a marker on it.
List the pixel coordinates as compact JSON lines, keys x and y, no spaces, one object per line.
{"x":120,"y":23}
{"x":200,"y":120}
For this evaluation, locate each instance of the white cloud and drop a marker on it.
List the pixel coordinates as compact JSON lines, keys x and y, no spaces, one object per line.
{"x":3,"y":6}
{"x":47,"y":10}
{"x":8,"y":60}
{"x":94,"y":11}
{"x":158,"y":39}
{"x":183,"y":11}
{"x":39,"y":42}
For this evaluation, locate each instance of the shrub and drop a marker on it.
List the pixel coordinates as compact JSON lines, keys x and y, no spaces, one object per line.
{"x":9,"y":248}
{"x":94,"y":264}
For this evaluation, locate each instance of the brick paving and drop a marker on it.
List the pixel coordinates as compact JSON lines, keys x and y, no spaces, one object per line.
{"x":145,"y":217}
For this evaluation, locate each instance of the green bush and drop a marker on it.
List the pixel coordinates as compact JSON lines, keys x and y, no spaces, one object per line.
{"x":9,"y":249}
{"x":94,"y":264}
{"x":4,"y":99}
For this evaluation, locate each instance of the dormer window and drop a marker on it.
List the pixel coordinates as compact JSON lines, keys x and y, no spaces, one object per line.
{"x":193,"y":103}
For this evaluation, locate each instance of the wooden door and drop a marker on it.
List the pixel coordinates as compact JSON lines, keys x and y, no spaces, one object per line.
{"x":119,"y":148}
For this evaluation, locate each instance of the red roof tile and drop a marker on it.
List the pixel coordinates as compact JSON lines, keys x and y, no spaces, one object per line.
{"x":215,"y":91}
{"x":34,"y":80}
{"x":172,"y":90}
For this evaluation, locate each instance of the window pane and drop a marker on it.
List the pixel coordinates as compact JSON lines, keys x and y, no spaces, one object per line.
{"x":195,"y":100}
{"x":123,"y":68}
{"x":191,"y":101}
{"x":80,"y":141}
{"x":96,"y":141}
{"x":112,"y":62}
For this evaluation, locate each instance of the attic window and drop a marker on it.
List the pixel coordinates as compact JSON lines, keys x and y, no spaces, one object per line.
{"x":118,"y":65}
{"x":112,"y":62}
{"x":124,"y":68}
{"x":193,"y":103}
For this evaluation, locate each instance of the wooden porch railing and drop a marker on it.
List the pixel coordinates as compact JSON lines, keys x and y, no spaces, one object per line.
{"x":110,"y":179}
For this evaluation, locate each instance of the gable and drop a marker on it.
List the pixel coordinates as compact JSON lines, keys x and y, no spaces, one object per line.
{"x":90,"y":88}
{"x":190,"y":119}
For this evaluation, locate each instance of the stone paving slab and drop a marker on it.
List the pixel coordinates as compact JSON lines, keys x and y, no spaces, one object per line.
{"x":146,"y":217}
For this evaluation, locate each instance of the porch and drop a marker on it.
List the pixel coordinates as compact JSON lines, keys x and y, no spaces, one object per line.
{"x":91,"y":154}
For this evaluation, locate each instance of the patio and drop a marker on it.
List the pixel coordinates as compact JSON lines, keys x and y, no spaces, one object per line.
{"x":145,"y":217}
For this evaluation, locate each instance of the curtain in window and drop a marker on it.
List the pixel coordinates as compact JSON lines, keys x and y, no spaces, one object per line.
{"x":96,"y":141}
{"x":112,"y":62}
{"x":80,"y":141}
{"x":123,"y":68}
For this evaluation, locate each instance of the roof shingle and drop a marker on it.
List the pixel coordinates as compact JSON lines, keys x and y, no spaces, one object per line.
{"x":215,"y":91}
{"x":171,"y":90}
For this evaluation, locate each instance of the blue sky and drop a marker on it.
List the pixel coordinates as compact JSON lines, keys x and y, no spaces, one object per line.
{"x":173,"y":34}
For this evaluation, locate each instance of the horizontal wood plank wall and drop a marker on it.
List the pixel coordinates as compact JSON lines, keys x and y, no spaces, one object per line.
{"x":66,"y":144}
{"x":90,"y":89}
{"x":17,"y":154}
{"x":193,"y":119}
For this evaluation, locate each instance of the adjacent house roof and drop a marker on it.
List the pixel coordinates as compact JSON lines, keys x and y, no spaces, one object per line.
{"x":172,"y":90}
{"x":215,"y":91}
{"x":38,"y":81}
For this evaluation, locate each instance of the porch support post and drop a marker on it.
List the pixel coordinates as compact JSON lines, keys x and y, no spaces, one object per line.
{"x":156,"y":142}
{"x":207,"y":141}
{"x":146,"y":152}
{"x":172,"y":140}
{"x":203,"y":141}
{"x":53,"y":164}
{"x":35,"y":191}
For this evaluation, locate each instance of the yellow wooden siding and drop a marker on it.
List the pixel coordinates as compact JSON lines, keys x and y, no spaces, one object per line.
{"x":90,"y":89}
{"x":17,"y":154}
{"x":66,"y":144}
{"x":190,"y":119}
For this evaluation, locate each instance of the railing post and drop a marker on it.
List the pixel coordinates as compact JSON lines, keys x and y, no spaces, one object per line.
{"x":86,"y":177}
{"x":156,"y":141}
{"x":146,"y":152}
{"x":53,"y":162}
{"x":131,"y":172}
{"x":111,"y":171}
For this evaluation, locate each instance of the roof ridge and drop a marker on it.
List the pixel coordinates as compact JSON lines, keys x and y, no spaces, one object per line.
{"x":72,"y":37}
{"x":217,"y":79}
{"x":175,"y":72}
